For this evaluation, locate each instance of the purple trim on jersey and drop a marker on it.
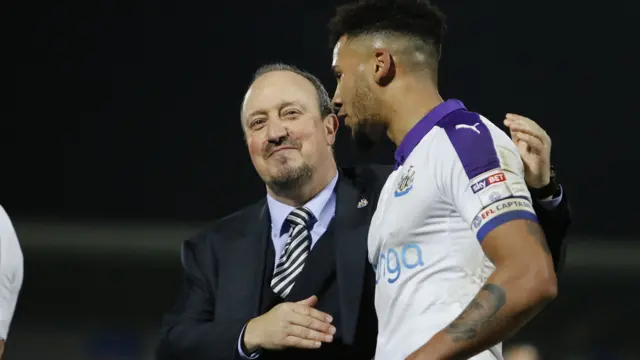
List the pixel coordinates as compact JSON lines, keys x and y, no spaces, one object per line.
{"x":514,"y":197}
{"x":504,"y":218}
{"x":472,"y":141}
{"x":419,"y":130}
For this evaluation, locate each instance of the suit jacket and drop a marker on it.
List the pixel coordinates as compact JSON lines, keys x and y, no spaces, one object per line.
{"x":224,"y":268}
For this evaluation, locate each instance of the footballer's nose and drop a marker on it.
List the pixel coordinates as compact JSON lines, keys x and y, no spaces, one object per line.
{"x":337,"y":105}
{"x":337,"y":100}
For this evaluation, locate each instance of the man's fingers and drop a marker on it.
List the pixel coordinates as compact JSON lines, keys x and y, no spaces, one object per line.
{"x":292,"y":341}
{"x":312,"y":323}
{"x":512,"y":119}
{"x":523,"y":126}
{"x":309,"y":311}
{"x":310,"y":301}
{"x":515,"y":118}
{"x":522,"y":146}
{"x":533,"y":142}
{"x":514,"y":138}
{"x":302,"y":332}
{"x":533,"y":131}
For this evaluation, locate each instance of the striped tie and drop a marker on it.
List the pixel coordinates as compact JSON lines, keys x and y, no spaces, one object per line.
{"x":295,"y":252}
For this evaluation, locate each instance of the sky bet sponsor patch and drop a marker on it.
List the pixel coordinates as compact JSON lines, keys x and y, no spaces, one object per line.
{"x":487,"y":181}
{"x":491,"y":187}
{"x":499,"y":208}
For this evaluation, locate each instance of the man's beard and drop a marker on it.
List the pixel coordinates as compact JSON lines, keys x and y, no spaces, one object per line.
{"x":290,"y":178}
{"x":287,"y":177}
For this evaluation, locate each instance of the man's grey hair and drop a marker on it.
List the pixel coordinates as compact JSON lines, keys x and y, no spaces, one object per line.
{"x":326,"y":108}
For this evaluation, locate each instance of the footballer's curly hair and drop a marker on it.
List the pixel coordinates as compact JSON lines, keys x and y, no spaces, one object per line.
{"x":419,"y":22}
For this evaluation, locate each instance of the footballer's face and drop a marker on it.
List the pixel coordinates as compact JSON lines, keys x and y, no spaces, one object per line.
{"x":288,"y":140}
{"x":355,"y":94}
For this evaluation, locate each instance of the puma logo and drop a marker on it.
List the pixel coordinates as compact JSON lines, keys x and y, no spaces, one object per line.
{"x":465,"y":126}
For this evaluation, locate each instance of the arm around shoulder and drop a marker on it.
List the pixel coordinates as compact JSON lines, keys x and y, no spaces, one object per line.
{"x":555,"y":221}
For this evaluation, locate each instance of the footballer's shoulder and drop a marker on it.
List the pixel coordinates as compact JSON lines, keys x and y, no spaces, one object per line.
{"x":6,"y":226}
{"x":470,"y":139}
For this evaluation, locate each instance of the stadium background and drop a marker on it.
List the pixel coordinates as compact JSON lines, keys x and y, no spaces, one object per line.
{"x":120,"y":137}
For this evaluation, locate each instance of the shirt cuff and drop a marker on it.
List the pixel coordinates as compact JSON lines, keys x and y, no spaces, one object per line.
{"x":253,"y":355}
{"x":552,"y":203}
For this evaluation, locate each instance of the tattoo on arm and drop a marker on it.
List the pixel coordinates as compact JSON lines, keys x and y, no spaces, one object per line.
{"x":482,"y":309}
{"x":536,"y":231}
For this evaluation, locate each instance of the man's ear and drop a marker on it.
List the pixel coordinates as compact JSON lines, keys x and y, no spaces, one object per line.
{"x":331,"y":125}
{"x":384,"y":68}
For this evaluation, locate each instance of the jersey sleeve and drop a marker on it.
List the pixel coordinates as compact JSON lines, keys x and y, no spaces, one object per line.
{"x":11,"y":272}
{"x":482,"y":175}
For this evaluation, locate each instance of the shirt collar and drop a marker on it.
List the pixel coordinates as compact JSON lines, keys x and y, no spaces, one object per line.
{"x":420,"y":129}
{"x":318,"y":206}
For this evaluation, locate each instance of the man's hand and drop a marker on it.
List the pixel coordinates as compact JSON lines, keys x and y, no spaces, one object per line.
{"x":535,"y":149}
{"x":290,"y":325}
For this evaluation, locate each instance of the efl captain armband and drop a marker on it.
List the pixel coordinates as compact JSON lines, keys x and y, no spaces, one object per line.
{"x":500,"y":212}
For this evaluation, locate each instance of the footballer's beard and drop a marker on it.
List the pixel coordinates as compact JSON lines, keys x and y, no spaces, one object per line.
{"x":368,"y":127}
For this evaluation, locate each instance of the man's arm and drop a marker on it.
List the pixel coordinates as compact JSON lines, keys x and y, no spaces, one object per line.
{"x":523,"y":282}
{"x":549,"y":198}
{"x":190,"y":330}
{"x":555,"y":220}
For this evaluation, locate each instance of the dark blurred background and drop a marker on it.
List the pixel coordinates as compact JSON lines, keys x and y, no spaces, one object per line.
{"x":120,"y":137}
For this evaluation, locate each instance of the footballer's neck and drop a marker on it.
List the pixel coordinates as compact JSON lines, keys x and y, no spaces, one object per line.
{"x":411,"y":103}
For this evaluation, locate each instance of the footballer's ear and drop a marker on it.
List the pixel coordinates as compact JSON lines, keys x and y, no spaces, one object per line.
{"x":384,"y":67}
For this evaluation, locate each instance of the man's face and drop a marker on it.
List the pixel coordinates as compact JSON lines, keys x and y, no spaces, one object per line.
{"x":355,"y":96}
{"x":287,"y":138}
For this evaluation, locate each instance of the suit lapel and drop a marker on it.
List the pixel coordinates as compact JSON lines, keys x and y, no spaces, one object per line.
{"x":249,"y":252}
{"x":351,"y":231}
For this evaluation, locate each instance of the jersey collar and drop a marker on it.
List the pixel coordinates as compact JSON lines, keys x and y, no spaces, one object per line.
{"x":419,"y":130}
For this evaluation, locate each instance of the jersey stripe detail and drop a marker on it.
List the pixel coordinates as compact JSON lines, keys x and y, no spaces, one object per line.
{"x":472,"y":141}
{"x":502,"y":219}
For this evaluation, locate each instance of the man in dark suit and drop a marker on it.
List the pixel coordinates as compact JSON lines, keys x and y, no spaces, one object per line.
{"x":288,"y":277}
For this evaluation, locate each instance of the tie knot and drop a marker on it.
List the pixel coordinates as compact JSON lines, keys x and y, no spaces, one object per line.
{"x":300,"y":216}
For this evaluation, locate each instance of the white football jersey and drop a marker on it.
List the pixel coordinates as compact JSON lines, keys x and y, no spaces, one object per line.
{"x":457,"y":177}
{"x":11,"y":272}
